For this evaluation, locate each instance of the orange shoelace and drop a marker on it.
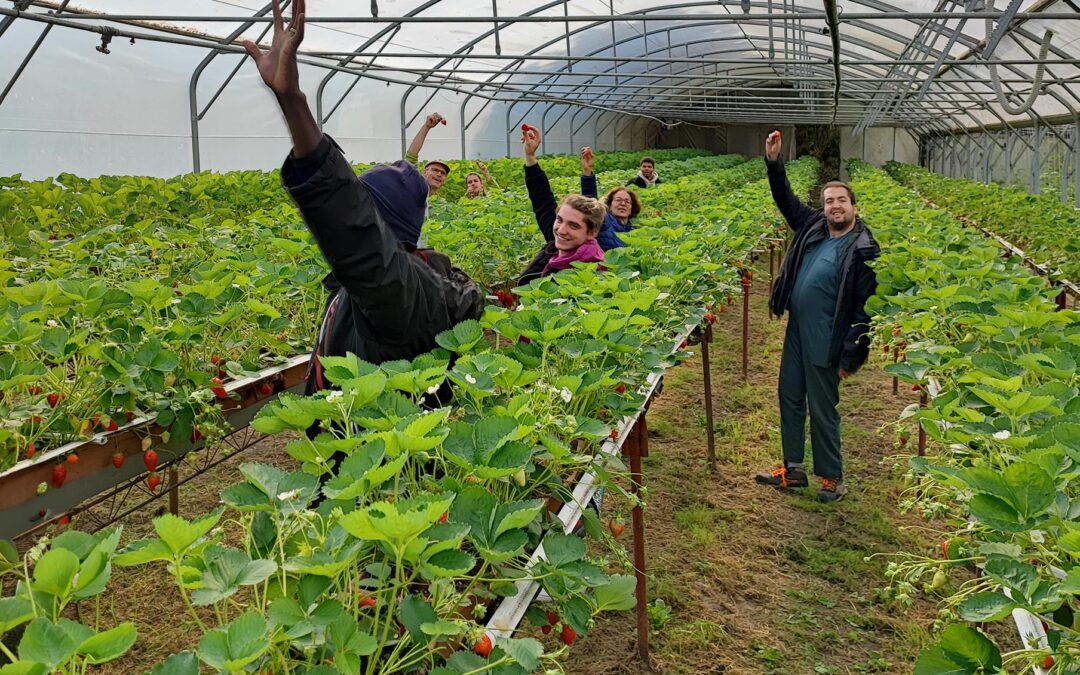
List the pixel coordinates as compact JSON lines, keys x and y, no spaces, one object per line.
{"x":829,"y":484}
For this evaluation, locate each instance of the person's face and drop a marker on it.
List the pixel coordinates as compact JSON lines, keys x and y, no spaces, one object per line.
{"x":647,"y":169}
{"x":570,"y":229}
{"x":839,"y":210}
{"x":621,"y":205}
{"x":473,"y":185}
{"x":435,"y":176}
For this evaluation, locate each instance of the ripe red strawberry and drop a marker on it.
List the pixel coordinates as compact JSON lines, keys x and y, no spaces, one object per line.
{"x":118,"y":459}
{"x":546,"y":630}
{"x":682,"y":345}
{"x":265,"y":389}
{"x":219,"y":390}
{"x":614,"y":433}
{"x":53,"y":399}
{"x":525,"y":127}
{"x":150,"y":459}
{"x":885,"y":349}
{"x":483,"y":647}
{"x":129,"y":415}
{"x":73,"y":458}
{"x":59,"y":475}
{"x":36,"y":419}
{"x":568,"y":635}
{"x":368,"y":601}
{"x":215,"y":359}
{"x":112,"y":425}
{"x":916,"y":387}
{"x":903,"y":440}
{"x":443,"y":122}
{"x":710,"y":317}
{"x":506,"y":298}
{"x":31,"y":450}
{"x":1048,"y":662}
{"x":64,"y":519}
{"x":552,"y":617}
{"x":34,"y":390}
{"x":620,"y":388}
{"x":153,"y":481}
{"x":444,"y":517}
{"x":616,"y":527}
{"x":96,"y":419}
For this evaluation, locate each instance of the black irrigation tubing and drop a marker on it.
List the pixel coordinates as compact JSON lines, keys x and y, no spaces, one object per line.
{"x":834,"y":31}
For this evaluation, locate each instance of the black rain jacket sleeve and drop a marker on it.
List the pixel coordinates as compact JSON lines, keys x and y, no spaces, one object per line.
{"x":404,"y":302}
{"x":797,"y":214}
{"x":543,"y":200}
{"x":856,"y":346}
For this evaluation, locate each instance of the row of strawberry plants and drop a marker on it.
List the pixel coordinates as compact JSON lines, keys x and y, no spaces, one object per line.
{"x":69,"y":205}
{"x":429,"y":516}
{"x":979,"y":331}
{"x":150,"y":317}
{"x":1045,"y":228}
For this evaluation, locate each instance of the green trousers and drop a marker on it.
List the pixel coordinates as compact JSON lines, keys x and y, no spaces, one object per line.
{"x":804,"y":385}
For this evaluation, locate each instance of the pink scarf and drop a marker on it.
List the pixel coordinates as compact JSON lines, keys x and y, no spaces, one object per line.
{"x":590,"y":251}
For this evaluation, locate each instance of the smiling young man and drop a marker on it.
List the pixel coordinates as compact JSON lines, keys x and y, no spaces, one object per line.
{"x":570,"y":228}
{"x":824,"y":284}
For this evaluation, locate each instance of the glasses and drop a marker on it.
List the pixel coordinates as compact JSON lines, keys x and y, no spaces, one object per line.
{"x":624,"y":201}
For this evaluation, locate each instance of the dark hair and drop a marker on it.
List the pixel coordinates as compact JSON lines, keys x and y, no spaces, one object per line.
{"x":838,"y":184}
{"x":647,"y":160}
{"x":592,"y":209}
{"x":635,"y":203}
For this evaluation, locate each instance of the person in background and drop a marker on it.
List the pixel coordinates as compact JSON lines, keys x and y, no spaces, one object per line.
{"x":477,"y":185}
{"x":435,"y":171}
{"x":622,"y":204}
{"x":646,"y":176}
{"x":570,"y":229}
{"x":824,"y":283}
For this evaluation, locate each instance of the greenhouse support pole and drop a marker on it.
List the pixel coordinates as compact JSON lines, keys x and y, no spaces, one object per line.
{"x":1036,"y":160}
{"x":1076,"y":162}
{"x":1008,"y":156}
{"x":638,"y":447}
{"x":895,"y":379}
{"x":174,"y":491}
{"x":746,"y":281}
{"x":923,"y":399}
{"x":710,"y":433}
{"x":461,"y":121}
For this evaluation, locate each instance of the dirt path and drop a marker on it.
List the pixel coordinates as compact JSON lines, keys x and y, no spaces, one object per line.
{"x":743,"y":578}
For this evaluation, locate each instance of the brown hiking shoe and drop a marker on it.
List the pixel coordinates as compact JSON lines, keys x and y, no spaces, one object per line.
{"x":784,"y":478}
{"x":832,"y":490}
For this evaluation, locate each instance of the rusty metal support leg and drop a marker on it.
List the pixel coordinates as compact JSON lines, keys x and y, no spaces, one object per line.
{"x":923,"y":400}
{"x":174,"y":491}
{"x":710,"y":436}
{"x":895,"y":380}
{"x":638,"y":448}
{"x":746,"y":281}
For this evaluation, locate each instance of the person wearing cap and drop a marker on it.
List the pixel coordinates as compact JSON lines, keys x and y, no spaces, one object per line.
{"x":435,"y":171}
{"x":388,"y":300}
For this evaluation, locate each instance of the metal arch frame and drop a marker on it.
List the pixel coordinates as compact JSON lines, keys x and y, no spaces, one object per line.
{"x":873,"y":48}
{"x":193,"y":84}
{"x":460,"y":54}
{"x":816,"y":44}
{"x":889,"y":12}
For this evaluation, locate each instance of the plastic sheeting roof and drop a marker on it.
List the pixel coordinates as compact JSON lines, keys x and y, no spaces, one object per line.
{"x":912,"y":63}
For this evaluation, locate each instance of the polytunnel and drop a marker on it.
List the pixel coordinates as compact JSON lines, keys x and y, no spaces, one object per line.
{"x":624,"y":74}
{"x":282,"y":391}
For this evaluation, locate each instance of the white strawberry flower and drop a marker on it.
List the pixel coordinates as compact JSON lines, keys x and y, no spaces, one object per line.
{"x":566,"y":394}
{"x":289,"y":496}
{"x":1037,"y":537}
{"x":1002,"y":435}
{"x":470,"y":379}
{"x":334,"y":396}
{"x":433,"y":389}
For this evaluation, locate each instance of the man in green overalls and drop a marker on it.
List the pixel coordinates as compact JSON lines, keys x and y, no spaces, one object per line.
{"x":824,"y":283}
